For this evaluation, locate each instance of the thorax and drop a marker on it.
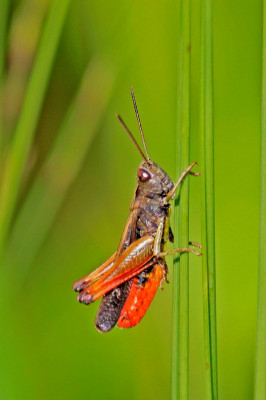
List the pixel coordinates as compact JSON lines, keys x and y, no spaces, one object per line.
{"x":151,"y":211}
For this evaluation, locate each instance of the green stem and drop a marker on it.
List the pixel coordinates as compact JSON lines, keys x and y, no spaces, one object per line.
{"x":180,"y":357}
{"x":260,"y":372}
{"x":30,"y":114}
{"x":208,"y":206}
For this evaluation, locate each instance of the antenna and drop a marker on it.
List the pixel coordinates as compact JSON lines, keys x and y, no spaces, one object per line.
{"x":132,"y":137}
{"x":138,"y":118}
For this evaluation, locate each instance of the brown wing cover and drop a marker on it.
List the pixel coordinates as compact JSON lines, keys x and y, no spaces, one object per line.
{"x":113,"y":302}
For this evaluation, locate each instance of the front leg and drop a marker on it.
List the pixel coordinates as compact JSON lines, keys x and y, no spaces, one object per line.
{"x":159,"y":236}
{"x":183,"y":175}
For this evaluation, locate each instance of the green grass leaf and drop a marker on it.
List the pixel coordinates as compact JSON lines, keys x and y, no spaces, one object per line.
{"x":260,"y":371}
{"x":208,"y":202}
{"x":60,"y":168}
{"x":30,"y":114}
{"x":180,"y":346}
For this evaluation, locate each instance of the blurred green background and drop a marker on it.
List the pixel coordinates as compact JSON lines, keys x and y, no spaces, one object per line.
{"x":77,"y":187}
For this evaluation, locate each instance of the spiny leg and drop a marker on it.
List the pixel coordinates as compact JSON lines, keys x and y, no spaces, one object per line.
{"x":158,"y":240}
{"x":183,"y":175}
{"x":176,"y":251}
{"x":158,"y":237}
{"x":199,"y":246}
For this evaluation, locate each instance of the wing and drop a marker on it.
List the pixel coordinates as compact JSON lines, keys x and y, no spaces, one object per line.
{"x":83,"y":283}
{"x":113,"y":302}
{"x":142,"y":292}
{"x":130,"y":228}
{"x":135,"y":259}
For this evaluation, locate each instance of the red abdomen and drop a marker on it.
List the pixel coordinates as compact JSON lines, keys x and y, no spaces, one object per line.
{"x":142,"y":292}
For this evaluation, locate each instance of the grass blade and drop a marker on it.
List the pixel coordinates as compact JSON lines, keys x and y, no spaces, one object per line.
{"x":26,"y":22}
{"x":180,"y":347}
{"x":260,"y":372}
{"x":60,"y":168}
{"x":30,"y":114}
{"x":208,"y":206}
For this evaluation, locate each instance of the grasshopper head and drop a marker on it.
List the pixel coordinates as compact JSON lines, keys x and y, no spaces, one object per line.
{"x":153,"y":179}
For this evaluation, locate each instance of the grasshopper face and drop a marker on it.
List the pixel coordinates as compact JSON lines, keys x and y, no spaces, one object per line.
{"x":153,"y":179}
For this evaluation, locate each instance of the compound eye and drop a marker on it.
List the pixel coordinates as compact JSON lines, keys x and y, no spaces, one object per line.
{"x":143,"y":175}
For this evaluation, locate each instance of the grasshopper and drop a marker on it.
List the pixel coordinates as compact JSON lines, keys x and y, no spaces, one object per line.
{"x":129,"y":279}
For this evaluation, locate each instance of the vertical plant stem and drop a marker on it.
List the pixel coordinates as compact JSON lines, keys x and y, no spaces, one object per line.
{"x":30,"y":114}
{"x":180,"y":356}
{"x":208,"y":206}
{"x":260,"y":372}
